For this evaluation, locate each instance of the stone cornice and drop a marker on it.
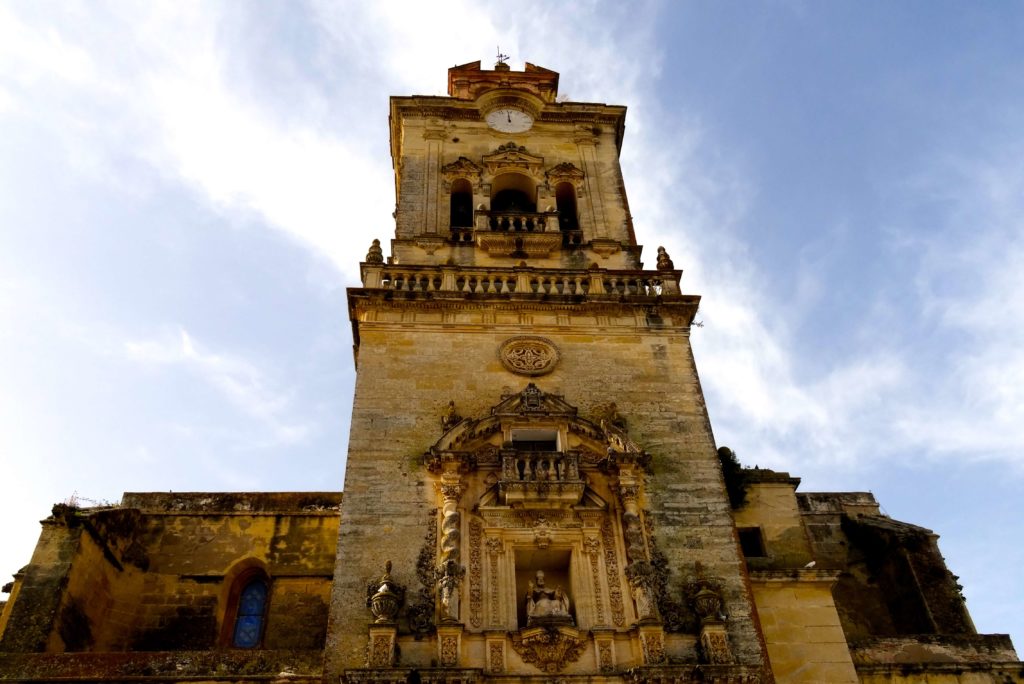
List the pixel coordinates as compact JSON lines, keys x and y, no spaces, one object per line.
{"x":803,"y":575}
{"x":684,"y":305}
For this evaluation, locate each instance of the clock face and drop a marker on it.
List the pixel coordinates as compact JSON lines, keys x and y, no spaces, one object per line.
{"x":509,"y":120}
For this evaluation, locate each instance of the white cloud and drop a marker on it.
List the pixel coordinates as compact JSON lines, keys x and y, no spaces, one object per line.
{"x":238,"y":380}
{"x":176,"y":105}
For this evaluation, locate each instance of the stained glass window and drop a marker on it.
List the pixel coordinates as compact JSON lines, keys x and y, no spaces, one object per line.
{"x":252,"y":604}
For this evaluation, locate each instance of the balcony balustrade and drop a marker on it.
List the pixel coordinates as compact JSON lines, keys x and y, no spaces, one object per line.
{"x":541,"y":479}
{"x":517,"y":221}
{"x":520,"y":280}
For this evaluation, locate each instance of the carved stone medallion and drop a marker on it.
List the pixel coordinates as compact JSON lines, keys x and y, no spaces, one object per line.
{"x":528,"y":355}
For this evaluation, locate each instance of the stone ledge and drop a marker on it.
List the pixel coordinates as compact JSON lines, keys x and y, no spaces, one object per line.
{"x":163,"y":666}
{"x":425,"y":675}
{"x":795,"y":575}
{"x":231,"y":502}
{"x":694,"y":674}
{"x":934,"y":649}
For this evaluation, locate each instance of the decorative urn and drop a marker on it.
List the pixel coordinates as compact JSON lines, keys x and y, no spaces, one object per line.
{"x":385,"y":597}
{"x":707,"y":602}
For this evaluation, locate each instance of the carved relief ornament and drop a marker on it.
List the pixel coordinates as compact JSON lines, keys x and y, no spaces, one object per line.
{"x":528,"y":355}
{"x":461,"y":168}
{"x":548,"y":649}
{"x":513,"y":158}
{"x":566,"y":172}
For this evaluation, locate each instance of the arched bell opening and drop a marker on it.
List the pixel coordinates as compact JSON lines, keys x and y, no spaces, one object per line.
{"x":513,"y":202}
{"x":461,"y":204}
{"x":565,"y":202}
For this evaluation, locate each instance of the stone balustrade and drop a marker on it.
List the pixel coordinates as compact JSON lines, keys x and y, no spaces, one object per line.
{"x":540,"y":466}
{"x":520,"y":280}
{"x":540,"y":479}
{"x":538,"y":222}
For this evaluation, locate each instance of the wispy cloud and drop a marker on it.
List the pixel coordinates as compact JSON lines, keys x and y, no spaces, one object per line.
{"x":239,"y":381}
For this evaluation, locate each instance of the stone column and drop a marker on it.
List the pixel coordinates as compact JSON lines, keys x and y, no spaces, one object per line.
{"x":450,"y":571}
{"x":639,"y":570}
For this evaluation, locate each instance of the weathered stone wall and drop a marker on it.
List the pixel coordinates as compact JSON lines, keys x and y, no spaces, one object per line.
{"x":158,"y":579}
{"x":772,"y":507}
{"x":413,"y":358}
{"x":801,"y":626}
{"x":33,"y":610}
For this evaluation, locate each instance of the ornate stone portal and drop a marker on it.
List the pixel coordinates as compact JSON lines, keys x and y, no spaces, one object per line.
{"x":542,"y":507}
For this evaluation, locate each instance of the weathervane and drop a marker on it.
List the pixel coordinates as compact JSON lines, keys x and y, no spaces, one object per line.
{"x":501,"y":57}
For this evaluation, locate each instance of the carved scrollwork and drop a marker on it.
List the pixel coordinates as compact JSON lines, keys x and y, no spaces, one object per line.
{"x":548,"y":649}
{"x":604,"y":651}
{"x":496,"y":657}
{"x":714,"y":646}
{"x":382,"y":650}
{"x":611,"y":565}
{"x":449,"y":651}
{"x":461,"y":168}
{"x":514,"y":158}
{"x":566,"y":172}
{"x":528,"y":355}
{"x":476,"y":592}
{"x":653,"y":646}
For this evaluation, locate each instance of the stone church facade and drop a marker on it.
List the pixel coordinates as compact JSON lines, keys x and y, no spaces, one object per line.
{"x":533,"y":491}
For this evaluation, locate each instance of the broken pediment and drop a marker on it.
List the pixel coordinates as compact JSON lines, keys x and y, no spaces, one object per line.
{"x":566,"y":172}
{"x":461,"y":168}
{"x":534,"y":421}
{"x":533,"y":401}
{"x":512,"y":158}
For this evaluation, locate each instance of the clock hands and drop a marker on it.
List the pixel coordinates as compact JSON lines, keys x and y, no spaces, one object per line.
{"x":509,"y":115}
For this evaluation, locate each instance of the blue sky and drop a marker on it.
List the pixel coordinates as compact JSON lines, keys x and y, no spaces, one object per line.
{"x":186,"y":190}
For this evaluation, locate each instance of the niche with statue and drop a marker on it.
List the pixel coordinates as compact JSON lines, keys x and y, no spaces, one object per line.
{"x":544,"y":588}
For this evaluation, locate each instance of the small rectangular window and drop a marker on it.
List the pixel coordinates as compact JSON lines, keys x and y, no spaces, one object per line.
{"x":526,"y":439}
{"x":752,"y":542}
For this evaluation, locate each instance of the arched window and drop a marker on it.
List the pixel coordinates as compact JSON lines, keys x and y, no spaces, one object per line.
{"x":246,"y":615}
{"x":462,"y":204}
{"x":512,"y":200}
{"x":513,"y":192}
{"x":565,"y":201}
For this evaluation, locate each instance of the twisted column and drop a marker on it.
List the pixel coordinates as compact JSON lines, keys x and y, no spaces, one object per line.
{"x":449,"y":570}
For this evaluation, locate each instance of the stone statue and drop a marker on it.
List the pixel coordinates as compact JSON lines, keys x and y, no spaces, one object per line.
{"x":644,"y":604}
{"x":448,"y":585}
{"x":451,"y":418}
{"x":664,"y":262}
{"x":545,"y":605}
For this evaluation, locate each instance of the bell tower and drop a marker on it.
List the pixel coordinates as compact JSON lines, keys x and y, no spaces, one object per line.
{"x":532,"y":487}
